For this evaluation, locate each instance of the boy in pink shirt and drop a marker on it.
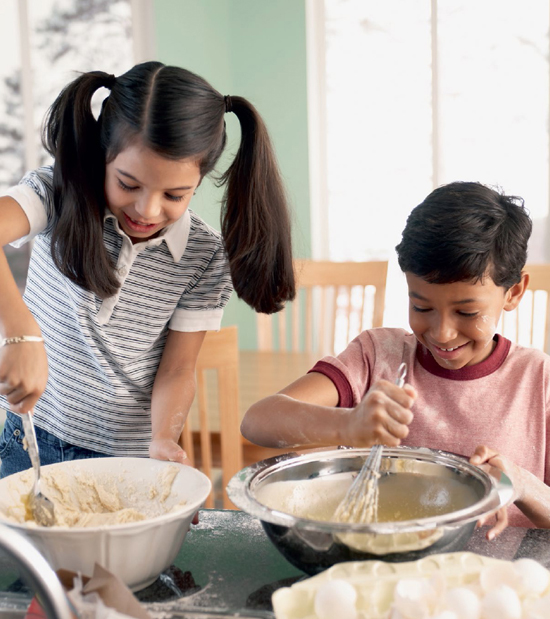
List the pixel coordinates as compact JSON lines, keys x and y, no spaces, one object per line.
{"x":469,"y":390}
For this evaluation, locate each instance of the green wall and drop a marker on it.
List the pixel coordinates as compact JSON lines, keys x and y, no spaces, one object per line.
{"x":255,"y":49}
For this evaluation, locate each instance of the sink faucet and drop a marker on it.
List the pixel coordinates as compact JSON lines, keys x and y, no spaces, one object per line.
{"x":38,"y":573}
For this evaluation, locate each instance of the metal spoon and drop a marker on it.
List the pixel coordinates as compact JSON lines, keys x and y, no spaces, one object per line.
{"x":40,"y":506}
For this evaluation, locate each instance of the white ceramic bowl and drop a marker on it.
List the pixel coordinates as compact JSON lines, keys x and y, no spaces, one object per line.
{"x":136,"y":552}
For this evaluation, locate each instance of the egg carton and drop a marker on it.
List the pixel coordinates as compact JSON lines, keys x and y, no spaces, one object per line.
{"x":373,"y":587}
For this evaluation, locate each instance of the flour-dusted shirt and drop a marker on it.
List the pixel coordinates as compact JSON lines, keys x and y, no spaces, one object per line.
{"x":103,"y":354}
{"x":502,"y":402}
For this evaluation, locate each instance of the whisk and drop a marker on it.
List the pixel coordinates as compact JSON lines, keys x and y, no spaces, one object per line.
{"x":361,"y":501}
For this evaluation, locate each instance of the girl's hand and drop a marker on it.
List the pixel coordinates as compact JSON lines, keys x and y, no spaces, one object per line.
{"x":382,"y":417}
{"x":167,"y":449}
{"x":23,"y":374}
{"x":493,"y":463}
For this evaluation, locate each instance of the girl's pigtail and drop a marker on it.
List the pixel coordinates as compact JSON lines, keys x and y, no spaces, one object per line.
{"x":72,"y":136}
{"x":255,"y":218}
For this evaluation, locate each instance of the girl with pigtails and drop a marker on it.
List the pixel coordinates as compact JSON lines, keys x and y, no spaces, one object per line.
{"x":124,"y":279}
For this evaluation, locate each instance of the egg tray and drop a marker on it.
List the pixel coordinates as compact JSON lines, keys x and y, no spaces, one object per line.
{"x":374,"y":582}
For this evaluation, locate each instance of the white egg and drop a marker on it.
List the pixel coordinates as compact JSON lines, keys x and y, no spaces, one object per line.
{"x":335,"y":598}
{"x":463,"y":602}
{"x":537,"y":608}
{"x":415,"y":589}
{"x":290,"y":601}
{"x":414,"y":598}
{"x":533,"y":576}
{"x":498,"y":574}
{"x":438,"y":583}
{"x":408,"y":609}
{"x":502,"y":602}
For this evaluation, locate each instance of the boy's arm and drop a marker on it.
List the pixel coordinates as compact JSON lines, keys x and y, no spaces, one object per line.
{"x":303,"y":413}
{"x":534,"y":501}
{"x":173,"y":393}
{"x":23,"y":367}
{"x":306,"y":413}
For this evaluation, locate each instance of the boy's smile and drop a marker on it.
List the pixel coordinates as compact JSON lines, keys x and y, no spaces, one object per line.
{"x":456,"y":322}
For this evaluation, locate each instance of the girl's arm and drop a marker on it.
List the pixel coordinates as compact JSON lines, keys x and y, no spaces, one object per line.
{"x":307,"y":413}
{"x":173,"y":393}
{"x":23,"y":367}
{"x":532,"y":494}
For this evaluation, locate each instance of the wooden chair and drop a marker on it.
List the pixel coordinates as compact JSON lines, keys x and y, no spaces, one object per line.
{"x":223,"y":448}
{"x":529,"y":324}
{"x":335,"y":301}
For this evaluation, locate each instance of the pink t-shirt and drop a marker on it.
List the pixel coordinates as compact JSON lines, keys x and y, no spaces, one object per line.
{"x":502,"y":402}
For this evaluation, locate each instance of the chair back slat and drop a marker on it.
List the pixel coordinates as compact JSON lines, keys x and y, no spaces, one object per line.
{"x":186,"y":441}
{"x":219,"y":356}
{"x":230,"y":434}
{"x":528,"y":324}
{"x":309,"y":323}
{"x":329,"y":309}
{"x":295,"y":323}
{"x":204,"y":432}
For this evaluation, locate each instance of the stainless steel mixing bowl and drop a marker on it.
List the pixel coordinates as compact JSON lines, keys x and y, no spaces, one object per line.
{"x":314,"y":545}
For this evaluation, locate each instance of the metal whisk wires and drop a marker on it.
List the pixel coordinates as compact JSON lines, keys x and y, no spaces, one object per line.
{"x":361,"y":501}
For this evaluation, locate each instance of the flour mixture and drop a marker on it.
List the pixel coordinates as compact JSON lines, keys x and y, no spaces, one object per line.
{"x":402,"y":496}
{"x":93,"y":500}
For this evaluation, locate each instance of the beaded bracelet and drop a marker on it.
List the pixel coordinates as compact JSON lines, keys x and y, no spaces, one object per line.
{"x":20,"y":339}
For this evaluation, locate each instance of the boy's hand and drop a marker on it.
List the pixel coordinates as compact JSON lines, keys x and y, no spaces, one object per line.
{"x":494,"y":464}
{"x":23,"y":374}
{"x":382,"y":417}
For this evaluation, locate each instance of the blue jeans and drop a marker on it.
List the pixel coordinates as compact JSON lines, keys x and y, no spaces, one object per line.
{"x":14,"y":457}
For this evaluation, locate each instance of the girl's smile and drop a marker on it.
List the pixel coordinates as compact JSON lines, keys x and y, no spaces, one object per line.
{"x":139,"y":226}
{"x":147,"y":192}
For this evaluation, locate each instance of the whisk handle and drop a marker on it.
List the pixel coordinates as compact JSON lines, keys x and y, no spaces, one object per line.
{"x":401,"y":374}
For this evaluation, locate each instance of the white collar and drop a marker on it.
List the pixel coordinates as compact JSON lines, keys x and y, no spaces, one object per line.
{"x":175,"y":235}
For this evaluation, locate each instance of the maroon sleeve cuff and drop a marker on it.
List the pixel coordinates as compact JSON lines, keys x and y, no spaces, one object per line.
{"x":345,"y":393}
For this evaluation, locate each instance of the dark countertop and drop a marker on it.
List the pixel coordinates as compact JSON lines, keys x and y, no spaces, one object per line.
{"x":228,"y":563}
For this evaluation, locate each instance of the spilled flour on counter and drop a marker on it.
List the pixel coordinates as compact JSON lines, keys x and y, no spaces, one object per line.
{"x":85,"y":500}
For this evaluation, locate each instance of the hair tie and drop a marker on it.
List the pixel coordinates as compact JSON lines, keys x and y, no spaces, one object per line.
{"x":110,"y":81}
{"x":228,"y":104}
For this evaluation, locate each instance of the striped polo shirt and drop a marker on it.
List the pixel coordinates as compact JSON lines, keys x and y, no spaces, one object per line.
{"x":103,"y":354}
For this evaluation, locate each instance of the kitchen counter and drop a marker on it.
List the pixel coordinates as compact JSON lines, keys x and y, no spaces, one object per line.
{"x":227,"y":563}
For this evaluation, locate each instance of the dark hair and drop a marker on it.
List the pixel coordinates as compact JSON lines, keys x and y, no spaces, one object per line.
{"x":178,"y":115}
{"x":463,"y":231}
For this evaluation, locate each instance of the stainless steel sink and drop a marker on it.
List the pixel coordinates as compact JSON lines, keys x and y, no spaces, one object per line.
{"x":37,"y":573}
{"x":13,"y":605}
{"x":12,"y":614}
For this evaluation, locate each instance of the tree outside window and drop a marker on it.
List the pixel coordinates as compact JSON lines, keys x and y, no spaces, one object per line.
{"x":48,"y":43}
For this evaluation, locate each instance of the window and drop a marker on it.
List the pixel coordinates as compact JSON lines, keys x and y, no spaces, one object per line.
{"x":44,"y":44}
{"x":412,"y":94}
